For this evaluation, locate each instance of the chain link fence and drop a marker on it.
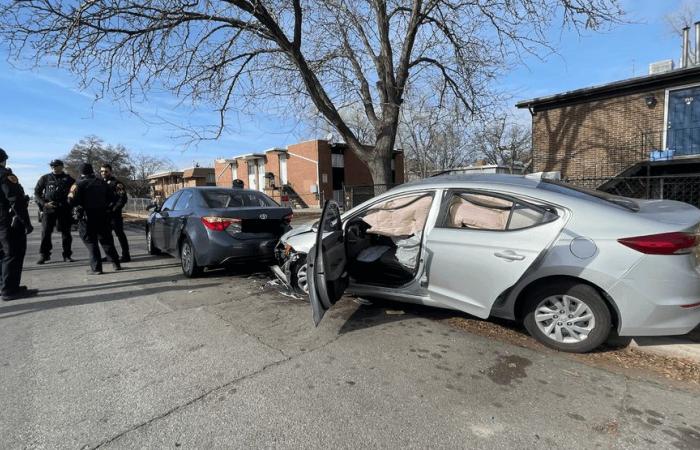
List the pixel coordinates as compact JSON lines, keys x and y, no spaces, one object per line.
{"x":138,"y":205}
{"x":683,"y":188}
{"x":354,"y":195}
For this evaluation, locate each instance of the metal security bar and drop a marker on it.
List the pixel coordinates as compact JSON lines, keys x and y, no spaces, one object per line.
{"x":683,"y":188}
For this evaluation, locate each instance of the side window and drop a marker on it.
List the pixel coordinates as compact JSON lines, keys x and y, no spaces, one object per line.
{"x":486,"y":212}
{"x":403,"y":216}
{"x":184,"y":201}
{"x":170,"y":202}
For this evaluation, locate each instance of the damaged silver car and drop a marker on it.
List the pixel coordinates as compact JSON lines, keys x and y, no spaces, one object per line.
{"x":572,"y":264}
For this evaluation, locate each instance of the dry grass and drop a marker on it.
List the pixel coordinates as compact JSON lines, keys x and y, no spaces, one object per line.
{"x":625,"y":359}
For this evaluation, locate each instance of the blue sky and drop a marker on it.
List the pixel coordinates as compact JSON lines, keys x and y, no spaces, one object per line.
{"x":43,"y":113}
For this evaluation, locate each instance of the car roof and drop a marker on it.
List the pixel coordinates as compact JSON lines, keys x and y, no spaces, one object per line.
{"x":219,"y":188}
{"x":480,"y":178}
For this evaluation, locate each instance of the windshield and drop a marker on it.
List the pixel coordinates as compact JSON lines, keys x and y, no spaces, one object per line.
{"x":587,"y":194}
{"x":232,"y":198}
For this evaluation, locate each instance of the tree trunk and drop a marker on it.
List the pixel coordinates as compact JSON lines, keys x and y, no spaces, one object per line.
{"x":380,"y":163}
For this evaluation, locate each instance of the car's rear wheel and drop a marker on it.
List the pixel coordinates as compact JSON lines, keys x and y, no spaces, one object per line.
{"x":150,"y":246}
{"x":188,"y":260}
{"x":568,"y":316}
{"x":301,"y":277}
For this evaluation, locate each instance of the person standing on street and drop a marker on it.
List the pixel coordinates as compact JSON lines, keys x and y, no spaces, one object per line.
{"x":14,"y":228}
{"x":115,"y":209}
{"x":91,"y":197}
{"x":51,"y":194}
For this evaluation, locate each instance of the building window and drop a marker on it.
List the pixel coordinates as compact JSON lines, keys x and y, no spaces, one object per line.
{"x":337,"y":160}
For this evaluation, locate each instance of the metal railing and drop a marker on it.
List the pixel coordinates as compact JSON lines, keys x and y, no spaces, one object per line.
{"x":138,"y":205}
{"x":354,"y":195}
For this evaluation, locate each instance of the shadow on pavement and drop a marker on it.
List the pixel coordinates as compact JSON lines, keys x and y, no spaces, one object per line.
{"x":25,"y":308}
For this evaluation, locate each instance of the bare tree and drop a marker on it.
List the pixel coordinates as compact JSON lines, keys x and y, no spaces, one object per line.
{"x":433,"y":138}
{"x":683,"y":17}
{"x":504,"y":142}
{"x":324,"y":53}
{"x":93,"y":150}
{"x":145,"y":165}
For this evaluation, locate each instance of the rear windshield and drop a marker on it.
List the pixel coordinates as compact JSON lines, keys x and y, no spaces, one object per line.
{"x":588,"y":194}
{"x":232,"y":198}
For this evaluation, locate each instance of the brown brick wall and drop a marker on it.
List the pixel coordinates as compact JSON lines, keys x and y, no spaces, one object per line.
{"x":598,"y":138}
{"x":223,"y":173}
{"x":398,"y":168}
{"x":302,"y":171}
{"x":356,"y":171}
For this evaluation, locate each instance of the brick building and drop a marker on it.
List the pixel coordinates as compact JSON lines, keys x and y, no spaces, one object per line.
{"x":617,"y":129}
{"x":165,"y":184}
{"x":304,"y":174}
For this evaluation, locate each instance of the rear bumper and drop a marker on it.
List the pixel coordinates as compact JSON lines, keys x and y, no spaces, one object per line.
{"x":222,"y":248}
{"x":650,"y":298}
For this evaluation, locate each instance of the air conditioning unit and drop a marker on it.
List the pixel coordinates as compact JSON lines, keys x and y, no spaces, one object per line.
{"x":661,"y":67}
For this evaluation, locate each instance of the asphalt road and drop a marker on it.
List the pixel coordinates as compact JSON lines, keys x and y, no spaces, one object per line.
{"x":145,"y":358}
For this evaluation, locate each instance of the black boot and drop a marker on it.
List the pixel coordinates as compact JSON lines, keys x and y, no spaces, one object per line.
{"x":116,"y":266}
{"x":68,"y":259}
{"x":125,"y":258}
{"x":43,"y":259}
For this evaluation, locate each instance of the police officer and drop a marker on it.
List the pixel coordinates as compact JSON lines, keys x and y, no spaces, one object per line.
{"x":115,"y":209}
{"x":51,"y":194}
{"x":14,"y":228}
{"x":91,"y":197}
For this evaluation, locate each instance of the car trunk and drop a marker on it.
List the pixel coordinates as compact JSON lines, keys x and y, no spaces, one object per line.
{"x":257,"y":222}
{"x":682,"y":215}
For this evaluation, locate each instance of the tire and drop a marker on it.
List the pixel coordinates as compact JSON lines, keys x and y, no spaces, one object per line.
{"x":188,"y":261}
{"x":152,"y":249}
{"x":588,"y":320}
{"x":300,"y":281}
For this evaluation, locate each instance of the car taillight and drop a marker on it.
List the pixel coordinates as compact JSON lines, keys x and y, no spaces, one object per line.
{"x":661,"y":244}
{"x":288,"y":218}
{"x":219,"y":223}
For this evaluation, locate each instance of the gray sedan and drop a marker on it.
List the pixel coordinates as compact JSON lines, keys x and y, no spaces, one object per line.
{"x":572,"y":264}
{"x":209,"y":226}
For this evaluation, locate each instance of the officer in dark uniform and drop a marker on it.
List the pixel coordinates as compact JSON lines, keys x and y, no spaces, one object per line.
{"x":51,"y":194}
{"x":115,"y":209}
{"x":14,"y":228}
{"x":91,"y":197}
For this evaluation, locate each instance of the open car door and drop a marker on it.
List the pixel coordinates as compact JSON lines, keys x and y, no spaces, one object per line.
{"x":326,"y":263}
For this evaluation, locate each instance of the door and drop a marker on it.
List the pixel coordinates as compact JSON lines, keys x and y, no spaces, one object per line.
{"x":326,"y":263}
{"x":159,"y":222}
{"x":252,"y":175}
{"x":176,"y":220}
{"x":683,"y":126}
{"x":483,"y":244}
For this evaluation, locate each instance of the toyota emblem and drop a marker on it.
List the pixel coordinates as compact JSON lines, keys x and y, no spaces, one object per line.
{"x":263,"y":216}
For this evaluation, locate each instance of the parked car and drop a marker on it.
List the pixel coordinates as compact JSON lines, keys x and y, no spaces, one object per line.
{"x":572,"y":264}
{"x":208,"y":226}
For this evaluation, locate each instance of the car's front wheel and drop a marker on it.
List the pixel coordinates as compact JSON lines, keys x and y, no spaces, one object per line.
{"x":567,"y":316}
{"x":150,"y":246}
{"x":300,"y":276}
{"x":188,"y":260}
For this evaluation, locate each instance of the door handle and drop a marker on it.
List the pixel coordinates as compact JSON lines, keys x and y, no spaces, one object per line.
{"x":510,"y":255}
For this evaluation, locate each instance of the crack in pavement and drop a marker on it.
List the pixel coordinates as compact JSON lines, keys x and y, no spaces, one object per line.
{"x":215,"y":389}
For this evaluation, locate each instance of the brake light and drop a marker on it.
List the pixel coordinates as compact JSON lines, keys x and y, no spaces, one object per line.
{"x":662,"y":244}
{"x":288,"y":218}
{"x":219,"y":223}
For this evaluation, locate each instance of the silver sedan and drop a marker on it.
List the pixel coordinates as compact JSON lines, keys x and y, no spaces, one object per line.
{"x":571,"y":264}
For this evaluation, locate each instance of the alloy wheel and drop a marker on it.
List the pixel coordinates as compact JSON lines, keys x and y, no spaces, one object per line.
{"x":565,"y":319}
{"x":302,"y":278}
{"x":186,"y":257}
